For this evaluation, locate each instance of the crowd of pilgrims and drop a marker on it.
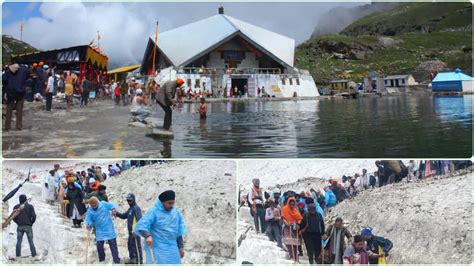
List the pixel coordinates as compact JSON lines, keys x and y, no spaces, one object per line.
{"x":292,"y":219}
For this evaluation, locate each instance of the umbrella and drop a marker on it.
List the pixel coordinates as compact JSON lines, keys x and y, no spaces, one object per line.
{"x":12,"y":193}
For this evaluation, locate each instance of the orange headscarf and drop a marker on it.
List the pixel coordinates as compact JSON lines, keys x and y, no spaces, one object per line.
{"x":291,"y":215}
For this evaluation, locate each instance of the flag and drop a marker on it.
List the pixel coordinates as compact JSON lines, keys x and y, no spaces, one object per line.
{"x":98,"y":36}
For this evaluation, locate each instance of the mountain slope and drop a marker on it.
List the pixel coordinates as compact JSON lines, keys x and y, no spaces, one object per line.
{"x":425,"y":38}
{"x":11,"y":46}
{"x":329,"y":57}
{"x":339,"y":18}
{"x":414,"y":17}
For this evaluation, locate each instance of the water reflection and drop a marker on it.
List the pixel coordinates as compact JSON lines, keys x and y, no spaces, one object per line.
{"x":400,"y":126}
{"x":453,"y":108}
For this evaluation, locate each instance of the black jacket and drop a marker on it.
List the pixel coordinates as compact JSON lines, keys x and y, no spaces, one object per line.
{"x":313,"y":223}
{"x":75,"y":198}
{"x":130,"y":214}
{"x":15,"y":82}
{"x":27,"y":216}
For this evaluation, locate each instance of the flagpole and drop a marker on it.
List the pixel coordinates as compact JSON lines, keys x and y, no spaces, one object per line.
{"x":98,"y":39}
{"x":21,"y":31}
{"x":154,"y":47}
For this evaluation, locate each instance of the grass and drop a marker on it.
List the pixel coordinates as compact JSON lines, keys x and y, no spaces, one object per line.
{"x":414,"y":49}
{"x":409,"y":16}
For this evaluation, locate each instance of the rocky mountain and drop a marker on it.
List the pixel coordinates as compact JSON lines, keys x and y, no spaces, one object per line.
{"x":339,"y":18}
{"x":11,"y":46}
{"x":415,"y":17}
{"x":390,"y":43}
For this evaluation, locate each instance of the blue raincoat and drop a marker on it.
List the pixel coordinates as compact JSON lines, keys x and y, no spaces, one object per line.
{"x":330,"y":198}
{"x":164,"y":227}
{"x":102,"y":220}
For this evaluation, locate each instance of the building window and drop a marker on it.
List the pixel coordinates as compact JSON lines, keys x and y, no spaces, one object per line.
{"x":283,"y":81}
{"x":297,"y":81}
{"x":189,"y":83}
{"x":291,"y":81}
{"x":198,"y":83}
{"x":403,"y":81}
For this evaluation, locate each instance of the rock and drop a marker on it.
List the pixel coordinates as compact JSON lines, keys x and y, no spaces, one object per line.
{"x":137,"y":124}
{"x":386,"y":42}
{"x":338,"y":56}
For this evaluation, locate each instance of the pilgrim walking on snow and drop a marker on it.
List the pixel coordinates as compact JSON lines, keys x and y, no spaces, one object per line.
{"x":163,"y":228}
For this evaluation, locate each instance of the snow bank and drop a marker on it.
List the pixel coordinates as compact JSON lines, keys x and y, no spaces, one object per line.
{"x":428,"y":222}
{"x":206,"y":196}
{"x":278,"y":172}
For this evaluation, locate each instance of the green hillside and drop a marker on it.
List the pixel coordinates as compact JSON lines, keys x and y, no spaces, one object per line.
{"x":414,"y":17}
{"x":11,"y":46}
{"x":353,"y":54}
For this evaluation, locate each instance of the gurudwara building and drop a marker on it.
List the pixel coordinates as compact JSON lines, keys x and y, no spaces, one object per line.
{"x":221,"y":52}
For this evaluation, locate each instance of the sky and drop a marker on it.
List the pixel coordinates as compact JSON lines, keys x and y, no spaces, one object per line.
{"x":125,"y":27}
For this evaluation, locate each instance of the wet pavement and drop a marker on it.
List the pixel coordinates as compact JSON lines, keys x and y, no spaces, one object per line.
{"x":396,"y":126}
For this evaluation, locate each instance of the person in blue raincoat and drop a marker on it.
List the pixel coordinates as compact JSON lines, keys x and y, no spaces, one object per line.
{"x":163,"y":229}
{"x":99,"y":215}
{"x":330,"y":198}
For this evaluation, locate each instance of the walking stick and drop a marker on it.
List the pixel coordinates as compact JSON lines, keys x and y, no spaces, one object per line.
{"x":138,"y":253}
{"x":297,"y":245}
{"x":151,"y":254}
{"x":292,"y":244}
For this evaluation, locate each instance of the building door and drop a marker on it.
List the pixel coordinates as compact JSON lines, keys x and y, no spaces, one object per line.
{"x":240,"y":83}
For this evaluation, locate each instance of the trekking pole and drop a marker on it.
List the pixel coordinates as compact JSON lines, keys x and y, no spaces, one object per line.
{"x":151,"y":254}
{"x":292,"y":243}
{"x":298,"y":245}
{"x":138,"y":253}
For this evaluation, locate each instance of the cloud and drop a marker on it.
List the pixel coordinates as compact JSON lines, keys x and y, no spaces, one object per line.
{"x":126,"y":27}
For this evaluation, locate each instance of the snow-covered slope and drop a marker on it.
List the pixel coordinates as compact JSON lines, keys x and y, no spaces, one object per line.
{"x":279,"y":172}
{"x":428,"y":222}
{"x":206,"y":196}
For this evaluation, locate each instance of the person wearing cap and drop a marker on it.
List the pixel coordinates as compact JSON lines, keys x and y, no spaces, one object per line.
{"x":255,"y":198}
{"x":100,"y":194}
{"x":133,"y":215}
{"x":74,"y":195}
{"x":165,"y":99}
{"x":139,"y":107}
{"x":377,"y":245}
{"x":99,"y":216}
{"x":14,"y":84}
{"x":163,"y":228}
{"x":93,"y":185}
{"x":312,"y":228}
{"x":24,"y":220}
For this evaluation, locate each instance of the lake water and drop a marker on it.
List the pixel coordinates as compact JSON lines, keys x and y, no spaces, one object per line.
{"x":396,"y":126}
